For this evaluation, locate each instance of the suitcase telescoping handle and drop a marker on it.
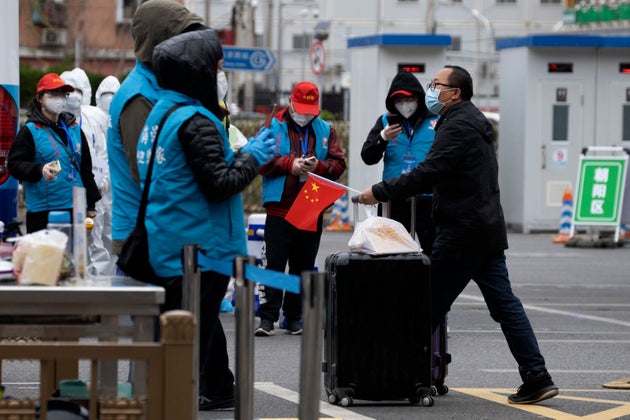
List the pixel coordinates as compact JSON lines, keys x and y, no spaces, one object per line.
{"x":355,"y":209}
{"x":387,"y":212}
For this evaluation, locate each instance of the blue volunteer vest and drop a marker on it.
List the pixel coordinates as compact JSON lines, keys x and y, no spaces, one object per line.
{"x":57,"y":194}
{"x":418,"y":146}
{"x":273,"y":185}
{"x":126,"y":192}
{"x":178,"y":213}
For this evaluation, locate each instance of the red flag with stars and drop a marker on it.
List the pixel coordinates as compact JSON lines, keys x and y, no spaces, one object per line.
{"x":314,"y":197}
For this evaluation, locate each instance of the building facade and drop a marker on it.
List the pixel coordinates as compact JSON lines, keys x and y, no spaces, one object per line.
{"x":289,"y":28}
{"x":92,"y":34}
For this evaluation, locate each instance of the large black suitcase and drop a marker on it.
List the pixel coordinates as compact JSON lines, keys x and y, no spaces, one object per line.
{"x":377,"y":340}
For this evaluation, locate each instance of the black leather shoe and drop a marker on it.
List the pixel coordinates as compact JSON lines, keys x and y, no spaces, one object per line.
{"x":215,"y":403}
{"x":536,"y":388}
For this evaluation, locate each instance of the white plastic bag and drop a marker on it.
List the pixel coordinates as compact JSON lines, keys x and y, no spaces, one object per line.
{"x":38,"y":257}
{"x":380,"y":235}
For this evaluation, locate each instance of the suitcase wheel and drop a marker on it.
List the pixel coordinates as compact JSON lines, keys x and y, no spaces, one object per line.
{"x":332,"y":398}
{"x":423,"y":396}
{"x":346,"y":401}
{"x":442,"y":389}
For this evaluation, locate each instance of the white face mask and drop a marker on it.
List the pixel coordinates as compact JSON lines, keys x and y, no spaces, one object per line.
{"x":222,"y":85}
{"x":301,"y":119}
{"x":73,"y":103}
{"x":105,"y":101}
{"x":55,"y":104}
{"x":406,"y":108}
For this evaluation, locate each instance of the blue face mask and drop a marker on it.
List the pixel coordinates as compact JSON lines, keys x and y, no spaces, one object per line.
{"x":432,"y":101}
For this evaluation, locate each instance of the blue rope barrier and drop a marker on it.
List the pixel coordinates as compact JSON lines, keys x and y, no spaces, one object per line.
{"x":271,"y":278}
{"x":221,"y":267}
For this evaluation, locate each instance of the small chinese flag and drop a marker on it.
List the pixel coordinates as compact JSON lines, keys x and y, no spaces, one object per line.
{"x":316,"y":195}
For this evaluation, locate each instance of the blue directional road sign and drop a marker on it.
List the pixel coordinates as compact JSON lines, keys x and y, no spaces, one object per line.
{"x":248,"y":59}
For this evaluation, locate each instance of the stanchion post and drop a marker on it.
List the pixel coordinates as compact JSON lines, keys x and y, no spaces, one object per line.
{"x":244,"y":313}
{"x":190,"y":302}
{"x":313,"y":287}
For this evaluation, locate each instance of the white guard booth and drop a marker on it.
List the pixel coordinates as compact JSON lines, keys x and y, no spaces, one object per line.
{"x":559,"y":94}
{"x":375,"y":60}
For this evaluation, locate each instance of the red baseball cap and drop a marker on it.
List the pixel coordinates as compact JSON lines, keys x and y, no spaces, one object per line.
{"x":305,"y":98}
{"x":52,"y":81}
{"x":401,"y":92}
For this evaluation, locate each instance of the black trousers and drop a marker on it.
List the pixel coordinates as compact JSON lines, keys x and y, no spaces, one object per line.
{"x":38,"y":220}
{"x":284,"y":243}
{"x":215,"y":377}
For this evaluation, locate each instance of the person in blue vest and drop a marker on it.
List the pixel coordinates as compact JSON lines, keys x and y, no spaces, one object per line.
{"x":195,"y":191}
{"x":153,"y":22}
{"x":50,"y":155}
{"x":305,"y":143}
{"x":402,"y":138}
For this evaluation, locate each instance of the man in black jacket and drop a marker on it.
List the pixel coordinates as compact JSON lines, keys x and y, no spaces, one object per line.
{"x":462,"y":172}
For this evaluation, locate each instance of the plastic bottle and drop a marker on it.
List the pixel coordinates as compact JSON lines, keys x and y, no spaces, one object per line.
{"x":60,"y":220}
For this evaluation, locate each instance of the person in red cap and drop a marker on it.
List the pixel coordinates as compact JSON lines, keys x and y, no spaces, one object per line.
{"x":402,"y":137}
{"x":304,"y":143}
{"x":50,"y":155}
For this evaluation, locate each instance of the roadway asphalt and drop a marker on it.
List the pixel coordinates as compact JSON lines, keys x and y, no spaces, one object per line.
{"x":578,"y":300}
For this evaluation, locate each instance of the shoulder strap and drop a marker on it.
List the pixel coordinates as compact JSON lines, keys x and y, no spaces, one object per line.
{"x":145,"y":191}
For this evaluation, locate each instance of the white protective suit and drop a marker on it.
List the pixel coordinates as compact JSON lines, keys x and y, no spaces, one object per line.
{"x":94,"y":124}
{"x":105,"y":92}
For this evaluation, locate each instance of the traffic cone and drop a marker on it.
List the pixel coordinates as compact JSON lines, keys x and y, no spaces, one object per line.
{"x":566,"y":218}
{"x":340,"y":216}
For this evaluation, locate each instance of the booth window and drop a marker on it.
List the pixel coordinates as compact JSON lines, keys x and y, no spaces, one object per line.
{"x":456,"y":43}
{"x":560,"y":123}
{"x":302,"y":41}
{"x":626,"y":123}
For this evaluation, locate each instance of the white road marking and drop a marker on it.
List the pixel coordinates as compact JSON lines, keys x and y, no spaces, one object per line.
{"x":294,"y":397}
{"x":554,"y":371}
{"x":559,"y":312}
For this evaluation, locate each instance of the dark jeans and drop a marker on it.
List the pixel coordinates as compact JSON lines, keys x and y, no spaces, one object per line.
{"x":425,"y":227}
{"x":451,"y":270}
{"x":285,"y":243}
{"x":215,"y":377}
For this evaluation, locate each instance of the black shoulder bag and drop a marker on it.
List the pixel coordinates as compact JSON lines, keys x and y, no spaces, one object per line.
{"x":134,"y":256}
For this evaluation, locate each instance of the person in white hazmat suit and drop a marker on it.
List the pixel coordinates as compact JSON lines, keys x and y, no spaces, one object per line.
{"x":104,"y":94}
{"x":94,"y":122}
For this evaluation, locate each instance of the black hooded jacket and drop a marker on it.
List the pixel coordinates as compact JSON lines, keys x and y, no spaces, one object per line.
{"x":374,"y":146}
{"x":187,"y":64}
{"x":462,"y":170}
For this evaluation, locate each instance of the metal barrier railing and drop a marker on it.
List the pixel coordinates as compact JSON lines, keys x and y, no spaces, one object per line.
{"x":246,"y":274}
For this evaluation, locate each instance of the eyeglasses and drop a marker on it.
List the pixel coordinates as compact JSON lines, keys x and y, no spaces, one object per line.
{"x":432,"y":85}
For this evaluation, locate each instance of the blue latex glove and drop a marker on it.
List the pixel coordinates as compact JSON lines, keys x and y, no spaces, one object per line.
{"x":262,"y":146}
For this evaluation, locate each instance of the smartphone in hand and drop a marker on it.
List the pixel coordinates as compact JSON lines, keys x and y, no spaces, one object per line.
{"x":394,"y":119}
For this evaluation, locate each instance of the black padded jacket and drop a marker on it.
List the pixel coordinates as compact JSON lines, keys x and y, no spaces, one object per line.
{"x":462,"y":171}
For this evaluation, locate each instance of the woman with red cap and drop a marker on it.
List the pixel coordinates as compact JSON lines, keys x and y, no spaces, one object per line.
{"x":50,"y":155}
{"x":305,"y":143}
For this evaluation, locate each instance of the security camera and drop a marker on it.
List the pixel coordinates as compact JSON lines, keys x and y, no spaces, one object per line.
{"x":315,"y":13}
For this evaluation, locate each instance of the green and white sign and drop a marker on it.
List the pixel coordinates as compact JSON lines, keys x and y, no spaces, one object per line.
{"x":600,"y":188}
